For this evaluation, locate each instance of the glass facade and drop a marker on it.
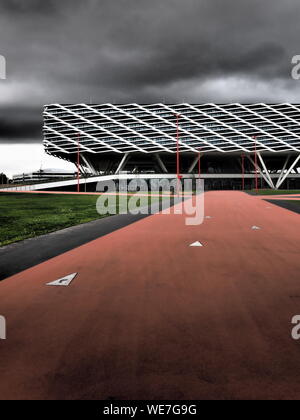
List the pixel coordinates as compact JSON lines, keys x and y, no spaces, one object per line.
{"x":152,"y":128}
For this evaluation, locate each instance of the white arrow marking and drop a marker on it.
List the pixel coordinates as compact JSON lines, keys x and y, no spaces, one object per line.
{"x":64,"y":281}
{"x":197,"y":243}
{"x":255,"y":228}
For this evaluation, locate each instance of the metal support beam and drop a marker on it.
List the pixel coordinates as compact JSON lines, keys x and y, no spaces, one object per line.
{"x":271,"y":184}
{"x":282,"y":172}
{"x":88,"y":164}
{"x":161,"y":163}
{"x":266,"y":170}
{"x":122,"y":163}
{"x":82,"y":169}
{"x":289,"y":171}
{"x":194,"y":163}
{"x":242,"y":163}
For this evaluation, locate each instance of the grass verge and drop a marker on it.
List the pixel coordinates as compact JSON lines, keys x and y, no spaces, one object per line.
{"x":24,"y":216}
{"x":275,"y":192}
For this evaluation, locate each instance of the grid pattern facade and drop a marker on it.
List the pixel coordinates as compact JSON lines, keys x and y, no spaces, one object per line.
{"x":152,"y":128}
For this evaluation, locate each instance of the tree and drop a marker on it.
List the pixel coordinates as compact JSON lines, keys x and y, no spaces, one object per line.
{"x":3,"y":179}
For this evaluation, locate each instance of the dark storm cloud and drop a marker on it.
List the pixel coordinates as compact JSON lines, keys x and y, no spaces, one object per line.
{"x":144,"y":51}
{"x":30,"y":6}
{"x":167,"y":66}
{"x":20,"y":123}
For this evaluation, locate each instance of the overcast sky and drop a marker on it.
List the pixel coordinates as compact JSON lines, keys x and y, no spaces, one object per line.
{"x":120,"y":51}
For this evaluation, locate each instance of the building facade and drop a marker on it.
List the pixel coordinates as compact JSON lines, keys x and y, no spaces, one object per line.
{"x":229,"y":140}
{"x":43,"y":175}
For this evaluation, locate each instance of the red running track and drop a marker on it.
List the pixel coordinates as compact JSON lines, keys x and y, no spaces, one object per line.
{"x":149,"y":317}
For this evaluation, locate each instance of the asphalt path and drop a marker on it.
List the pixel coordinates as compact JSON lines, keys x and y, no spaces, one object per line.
{"x":25,"y":254}
{"x":19,"y":256}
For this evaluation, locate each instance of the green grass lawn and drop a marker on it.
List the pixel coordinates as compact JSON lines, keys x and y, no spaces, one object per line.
{"x":24,"y":216}
{"x":276,"y":192}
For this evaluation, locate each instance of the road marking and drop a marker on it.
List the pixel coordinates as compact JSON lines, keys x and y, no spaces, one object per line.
{"x":64,"y":281}
{"x":197,"y":243}
{"x":208,"y":217}
{"x":255,"y":228}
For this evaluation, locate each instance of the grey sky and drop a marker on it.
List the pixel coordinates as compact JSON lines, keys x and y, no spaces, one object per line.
{"x":142,"y":51}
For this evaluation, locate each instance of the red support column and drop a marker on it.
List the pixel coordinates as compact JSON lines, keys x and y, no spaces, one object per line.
{"x":243,"y":171}
{"x":78,"y":164}
{"x":177,"y":153}
{"x":255,"y":162}
{"x":177,"y":147}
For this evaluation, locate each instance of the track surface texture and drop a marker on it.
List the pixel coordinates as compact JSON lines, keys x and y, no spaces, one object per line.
{"x":149,"y":317}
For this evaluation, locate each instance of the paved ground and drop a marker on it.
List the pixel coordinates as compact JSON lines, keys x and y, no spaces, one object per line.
{"x":291,"y":205}
{"x":150,"y":317}
{"x":25,"y":254}
{"x":288,"y":201}
{"x":19,"y":256}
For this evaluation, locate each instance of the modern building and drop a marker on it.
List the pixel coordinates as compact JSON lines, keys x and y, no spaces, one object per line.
{"x":44,"y":175}
{"x":232,"y":141}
